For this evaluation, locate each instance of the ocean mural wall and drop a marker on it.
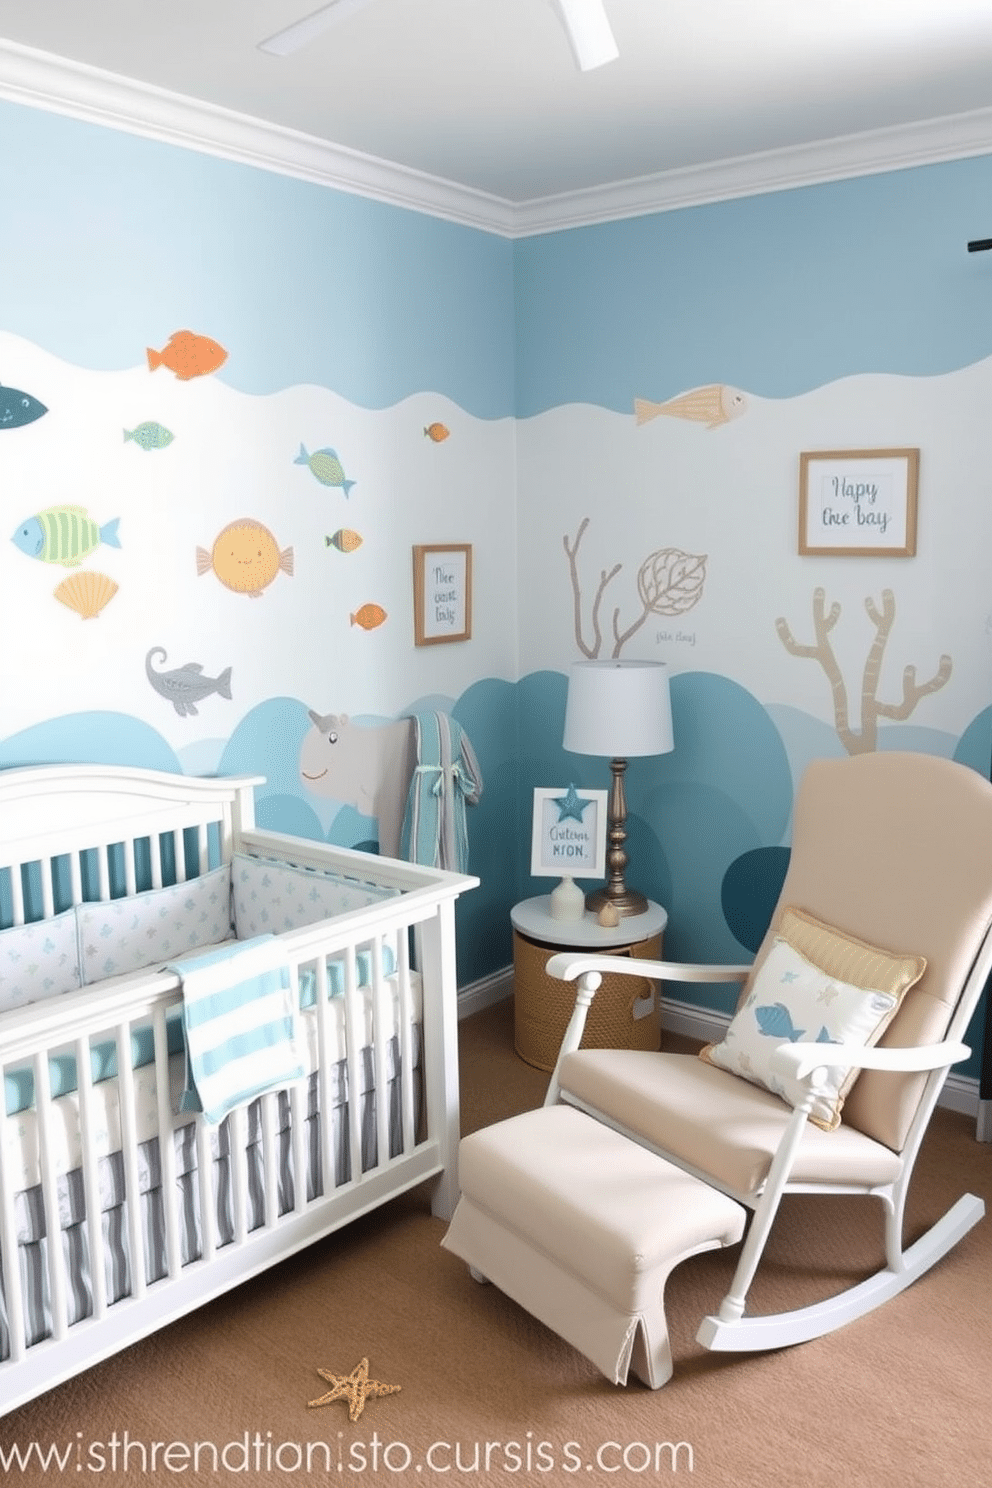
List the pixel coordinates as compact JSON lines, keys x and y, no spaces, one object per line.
{"x":238,"y":401}
{"x":672,"y":373}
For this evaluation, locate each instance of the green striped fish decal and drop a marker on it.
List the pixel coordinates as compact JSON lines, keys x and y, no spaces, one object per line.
{"x":64,"y":534}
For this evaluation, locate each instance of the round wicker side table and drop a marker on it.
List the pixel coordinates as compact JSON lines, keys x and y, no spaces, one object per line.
{"x":625,"y":1012}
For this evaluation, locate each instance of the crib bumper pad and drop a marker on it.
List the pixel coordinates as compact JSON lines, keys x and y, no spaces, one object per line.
{"x":19,"y":1081}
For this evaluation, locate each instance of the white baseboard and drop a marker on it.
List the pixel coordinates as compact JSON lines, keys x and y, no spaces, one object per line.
{"x":960,"y":1092}
{"x":484,"y":993}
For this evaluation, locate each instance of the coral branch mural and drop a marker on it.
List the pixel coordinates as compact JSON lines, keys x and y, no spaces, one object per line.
{"x":669,"y":582}
{"x":871,"y":709}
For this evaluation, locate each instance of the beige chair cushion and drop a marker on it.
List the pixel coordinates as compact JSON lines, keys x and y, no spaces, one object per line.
{"x":814,"y":984}
{"x":714,"y":1122}
{"x":897,"y":849}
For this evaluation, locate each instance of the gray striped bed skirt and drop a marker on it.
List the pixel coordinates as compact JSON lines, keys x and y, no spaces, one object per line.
{"x":33,"y":1229}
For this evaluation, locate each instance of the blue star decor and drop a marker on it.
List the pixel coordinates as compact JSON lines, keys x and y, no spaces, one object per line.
{"x":571,"y":805}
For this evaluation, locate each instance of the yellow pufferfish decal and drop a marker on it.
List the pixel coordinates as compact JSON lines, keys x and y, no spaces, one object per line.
{"x":245,"y":557}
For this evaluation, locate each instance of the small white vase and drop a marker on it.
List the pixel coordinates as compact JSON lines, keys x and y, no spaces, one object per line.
{"x":568,"y":902}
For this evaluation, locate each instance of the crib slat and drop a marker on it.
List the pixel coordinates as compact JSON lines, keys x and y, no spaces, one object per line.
{"x":354,"y":1027}
{"x":298,"y":1093}
{"x":380,"y":1052}
{"x":209,"y":1235}
{"x":91,"y":1179}
{"x":47,"y":890}
{"x":103,"y":871}
{"x":269,"y":1112}
{"x":129,"y":1151}
{"x":166,"y":1144}
{"x":9,"y":1267}
{"x":237,"y":1126}
{"x":408,"y":1114}
{"x":50,"y":1195}
{"x":17,"y":893}
{"x":130,"y":878}
{"x":328,"y":1163}
{"x":76,"y":877}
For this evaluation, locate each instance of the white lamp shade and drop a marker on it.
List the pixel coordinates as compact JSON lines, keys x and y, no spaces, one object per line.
{"x":618,"y":709}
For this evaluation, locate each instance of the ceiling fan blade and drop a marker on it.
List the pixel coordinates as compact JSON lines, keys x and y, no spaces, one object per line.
{"x":588,"y":32}
{"x":301,"y":33}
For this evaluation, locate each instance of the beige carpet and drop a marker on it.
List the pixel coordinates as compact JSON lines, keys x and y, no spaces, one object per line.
{"x":903,"y":1397}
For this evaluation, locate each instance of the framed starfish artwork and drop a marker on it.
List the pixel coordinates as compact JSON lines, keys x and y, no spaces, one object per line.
{"x":568,"y":835}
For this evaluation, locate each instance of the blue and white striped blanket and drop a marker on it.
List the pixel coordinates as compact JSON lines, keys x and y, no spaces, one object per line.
{"x":239,"y":1023}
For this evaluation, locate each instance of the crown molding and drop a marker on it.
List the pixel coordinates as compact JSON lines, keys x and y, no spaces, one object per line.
{"x":902,"y":147}
{"x":40,"y":80}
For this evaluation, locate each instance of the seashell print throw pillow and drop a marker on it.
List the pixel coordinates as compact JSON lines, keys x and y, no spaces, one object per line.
{"x":815,"y":985}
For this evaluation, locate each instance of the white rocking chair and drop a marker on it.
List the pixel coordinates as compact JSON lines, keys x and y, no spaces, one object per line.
{"x":893,"y":850}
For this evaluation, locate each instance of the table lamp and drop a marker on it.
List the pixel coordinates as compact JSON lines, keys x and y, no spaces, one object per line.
{"x":618,"y":709}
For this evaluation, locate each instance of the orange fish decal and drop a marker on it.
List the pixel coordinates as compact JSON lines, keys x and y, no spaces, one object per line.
{"x":437,"y":432}
{"x":187,"y":355}
{"x":245,"y":557}
{"x":369,"y":616}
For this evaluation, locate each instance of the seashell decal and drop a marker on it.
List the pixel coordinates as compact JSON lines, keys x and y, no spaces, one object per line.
{"x":87,"y":593}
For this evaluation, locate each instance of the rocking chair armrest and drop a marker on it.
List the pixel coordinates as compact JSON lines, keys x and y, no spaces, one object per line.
{"x":800,"y":1060}
{"x":569,"y":965}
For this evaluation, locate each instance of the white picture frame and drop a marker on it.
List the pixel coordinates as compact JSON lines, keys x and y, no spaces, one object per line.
{"x":568,"y":832}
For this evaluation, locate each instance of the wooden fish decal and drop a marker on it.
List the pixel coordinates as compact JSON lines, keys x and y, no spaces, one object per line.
{"x":186,"y":686}
{"x":187,"y":355}
{"x":245,"y":557}
{"x":149,"y":436}
{"x":712,"y":405}
{"x":18,"y":409}
{"x":369,"y":617}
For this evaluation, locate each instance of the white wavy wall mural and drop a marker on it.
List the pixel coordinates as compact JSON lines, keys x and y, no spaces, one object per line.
{"x":180,"y":552}
{"x":671,"y":532}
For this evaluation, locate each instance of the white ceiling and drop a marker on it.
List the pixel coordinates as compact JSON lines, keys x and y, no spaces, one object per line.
{"x":485,"y":93}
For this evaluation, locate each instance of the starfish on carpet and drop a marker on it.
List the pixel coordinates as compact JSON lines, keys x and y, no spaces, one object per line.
{"x":355,"y":1387}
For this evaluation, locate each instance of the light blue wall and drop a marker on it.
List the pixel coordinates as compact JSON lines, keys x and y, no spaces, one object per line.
{"x":777,"y":293}
{"x":110,"y":242}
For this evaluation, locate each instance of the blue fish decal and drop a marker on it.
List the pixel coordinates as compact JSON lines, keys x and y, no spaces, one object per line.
{"x":776,"y":1022}
{"x":17,"y":408}
{"x":823,"y":1037}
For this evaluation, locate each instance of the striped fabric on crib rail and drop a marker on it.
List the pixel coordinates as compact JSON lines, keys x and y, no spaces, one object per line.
{"x":240,"y":1027}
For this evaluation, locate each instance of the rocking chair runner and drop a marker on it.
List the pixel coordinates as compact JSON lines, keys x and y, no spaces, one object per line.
{"x":850,"y":1018}
{"x":894,"y":849}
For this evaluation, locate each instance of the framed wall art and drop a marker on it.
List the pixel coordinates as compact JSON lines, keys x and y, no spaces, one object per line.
{"x":858,"y":503}
{"x":568,"y":834}
{"x":442,"y":593}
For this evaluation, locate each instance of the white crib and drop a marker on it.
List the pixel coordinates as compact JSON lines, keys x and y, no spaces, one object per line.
{"x":157,"y":1210}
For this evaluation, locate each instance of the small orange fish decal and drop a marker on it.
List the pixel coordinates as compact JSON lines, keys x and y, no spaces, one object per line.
{"x":345,"y":540}
{"x":369,"y":616}
{"x":187,"y":355}
{"x":245,"y":557}
{"x":712,"y":405}
{"x":437,"y":432}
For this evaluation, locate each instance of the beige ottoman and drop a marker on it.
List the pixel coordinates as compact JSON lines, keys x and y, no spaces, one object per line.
{"x":581,"y":1227}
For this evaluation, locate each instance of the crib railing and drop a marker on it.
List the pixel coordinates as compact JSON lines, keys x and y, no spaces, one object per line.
{"x":270,"y":1181}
